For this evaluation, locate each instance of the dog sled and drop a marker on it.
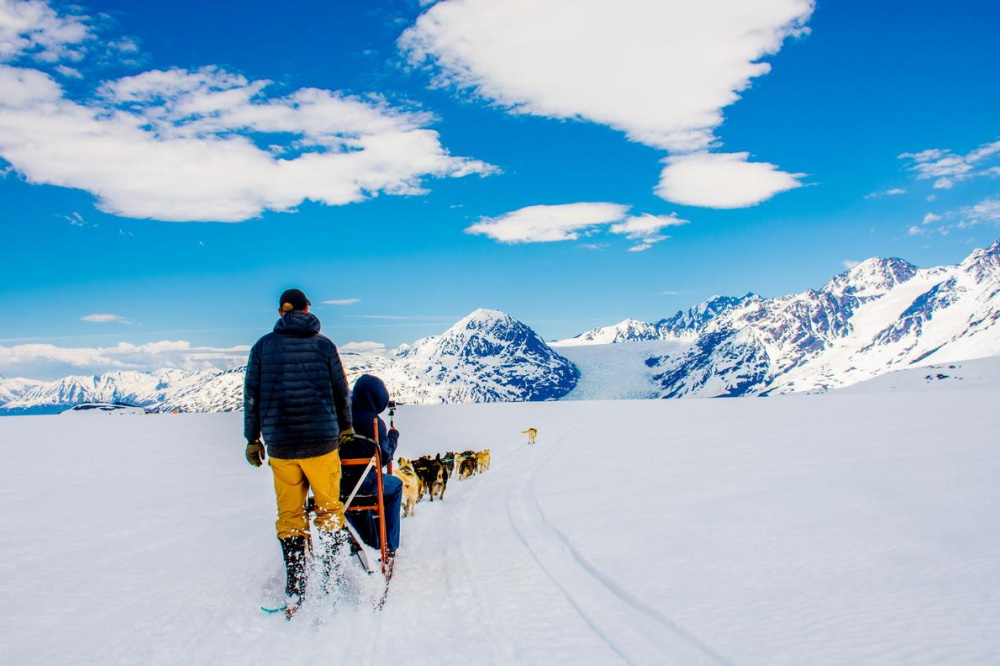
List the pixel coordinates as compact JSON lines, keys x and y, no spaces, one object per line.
{"x":358,"y":457}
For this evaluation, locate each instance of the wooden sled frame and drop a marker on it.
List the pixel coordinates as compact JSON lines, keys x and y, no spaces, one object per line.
{"x":376,"y":502}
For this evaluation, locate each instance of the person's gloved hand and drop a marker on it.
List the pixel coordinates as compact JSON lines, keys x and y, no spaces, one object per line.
{"x":255,"y":453}
{"x":346,"y":435}
{"x":394,"y":429}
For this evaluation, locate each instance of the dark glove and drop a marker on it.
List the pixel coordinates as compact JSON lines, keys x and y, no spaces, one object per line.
{"x":394,"y":429}
{"x":346,"y":435}
{"x":255,"y":453}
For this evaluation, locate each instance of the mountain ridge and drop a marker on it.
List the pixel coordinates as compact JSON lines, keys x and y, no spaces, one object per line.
{"x":880,"y":315}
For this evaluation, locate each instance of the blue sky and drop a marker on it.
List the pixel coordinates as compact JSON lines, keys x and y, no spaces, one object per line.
{"x":169,"y":168}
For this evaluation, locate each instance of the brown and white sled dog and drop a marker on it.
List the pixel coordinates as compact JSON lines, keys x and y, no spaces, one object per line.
{"x":531,"y":433}
{"x":468,"y":466}
{"x":431,"y":476}
{"x":408,"y":476}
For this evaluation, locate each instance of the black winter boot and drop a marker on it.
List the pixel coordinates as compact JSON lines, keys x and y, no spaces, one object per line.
{"x":293,"y":549}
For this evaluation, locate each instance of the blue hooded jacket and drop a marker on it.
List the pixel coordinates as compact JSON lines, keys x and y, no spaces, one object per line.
{"x":369,"y":399}
{"x":295,"y":393}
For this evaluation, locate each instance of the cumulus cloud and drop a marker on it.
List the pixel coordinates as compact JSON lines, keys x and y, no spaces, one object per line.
{"x":189,"y":145}
{"x":31,"y":29}
{"x":661,"y":72}
{"x":722,"y":180}
{"x":946,"y":168}
{"x":565,"y":222}
{"x":45,"y":361}
{"x":106,"y":319}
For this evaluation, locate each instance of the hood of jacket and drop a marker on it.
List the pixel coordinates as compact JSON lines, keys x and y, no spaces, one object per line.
{"x":298,"y":323}
{"x":369,"y":395}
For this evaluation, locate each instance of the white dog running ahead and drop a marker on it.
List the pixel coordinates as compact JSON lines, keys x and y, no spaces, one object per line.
{"x":531,"y":433}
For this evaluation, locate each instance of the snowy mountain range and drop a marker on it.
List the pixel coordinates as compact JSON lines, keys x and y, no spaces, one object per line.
{"x":880,"y":316}
{"x":486,"y":357}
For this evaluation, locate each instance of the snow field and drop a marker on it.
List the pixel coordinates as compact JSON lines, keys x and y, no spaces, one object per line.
{"x":844,"y":528}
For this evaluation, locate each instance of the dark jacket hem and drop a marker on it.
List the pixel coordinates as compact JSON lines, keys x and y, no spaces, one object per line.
{"x":301,"y":450}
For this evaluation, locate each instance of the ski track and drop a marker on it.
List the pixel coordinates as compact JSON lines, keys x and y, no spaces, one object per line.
{"x":632,"y":630}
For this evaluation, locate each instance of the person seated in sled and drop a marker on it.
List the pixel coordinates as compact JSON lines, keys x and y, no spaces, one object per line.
{"x":369,"y":398}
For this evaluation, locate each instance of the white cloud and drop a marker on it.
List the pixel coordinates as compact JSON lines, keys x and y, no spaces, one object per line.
{"x":662,"y":72}
{"x":539,"y":224}
{"x":646,"y":228}
{"x":565,"y":222}
{"x":850,"y":263}
{"x":986,"y":211}
{"x":946,"y":168}
{"x":106,"y":319}
{"x":342,"y":301}
{"x":180,"y":145}
{"x":44,"y":361}
{"x":722,"y":180}
{"x":363,"y":347}
{"x":32,"y":29}
{"x":896,"y":191}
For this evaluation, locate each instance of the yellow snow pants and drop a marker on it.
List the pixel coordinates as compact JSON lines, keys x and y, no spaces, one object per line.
{"x":292,"y":480}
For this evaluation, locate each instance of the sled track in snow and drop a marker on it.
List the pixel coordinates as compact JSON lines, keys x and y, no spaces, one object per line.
{"x":636,"y":632}
{"x":485,"y":619}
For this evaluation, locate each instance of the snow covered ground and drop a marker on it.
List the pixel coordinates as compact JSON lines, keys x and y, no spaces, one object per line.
{"x":853,"y":527}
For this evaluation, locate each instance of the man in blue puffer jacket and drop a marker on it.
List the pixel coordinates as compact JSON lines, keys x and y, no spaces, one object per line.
{"x":369,"y":399}
{"x":296,"y":397}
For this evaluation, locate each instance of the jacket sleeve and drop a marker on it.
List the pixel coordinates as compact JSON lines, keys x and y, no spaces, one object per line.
{"x":387,"y":441}
{"x":251,"y":396}
{"x":341,"y":393}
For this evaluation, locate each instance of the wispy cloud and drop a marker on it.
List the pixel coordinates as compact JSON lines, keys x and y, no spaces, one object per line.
{"x":546,"y":224}
{"x":986,"y":212}
{"x":567,"y":222}
{"x":107,"y":319}
{"x":410,"y":317}
{"x":646,"y":229}
{"x":661,"y":72}
{"x":946,"y":168}
{"x":850,"y":263}
{"x":179,"y":144}
{"x":46,"y":361}
{"x":342,"y":301}
{"x":896,"y":191}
